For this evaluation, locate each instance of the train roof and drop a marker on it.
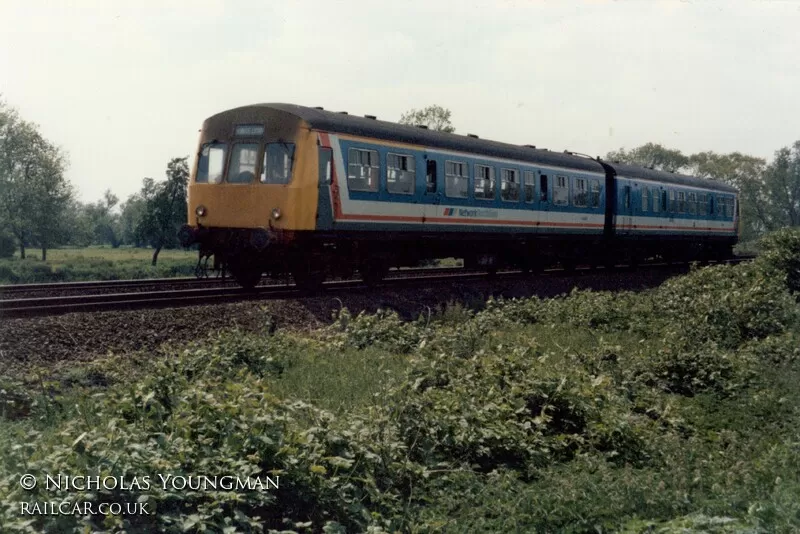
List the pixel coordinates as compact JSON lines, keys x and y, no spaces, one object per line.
{"x":371,"y":127}
{"x":368,"y":127}
{"x":634,"y":171}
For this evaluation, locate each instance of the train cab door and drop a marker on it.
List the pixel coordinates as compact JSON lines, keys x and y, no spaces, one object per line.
{"x":324,"y":197}
{"x":625,"y":213}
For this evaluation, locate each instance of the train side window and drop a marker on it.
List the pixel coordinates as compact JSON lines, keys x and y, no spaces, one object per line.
{"x":656,"y":199}
{"x":702,"y":205}
{"x":626,"y":199}
{"x":456,"y":179}
{"x":711,"y":204}
{"x":664,"y":201}
{"x":484,"y":182}
{"x":595,"y":193}
{"x":210,"y":163}
{"x":681,"y":202}
{"x":400,"y":174}
{"x":561,"y":191}
{"x":277,"y":167}
{"x":645,"y":200}
{"x":672,"y":204}
{"x":362,"y":170}
{"x":579,"y":195}
{"x":529,"y":185}
{"x":543,"y":188}
{"x":242,"y":169}
{"x":693,"y":203}
{"x":430,"y":176}
{"x":509,"y":185}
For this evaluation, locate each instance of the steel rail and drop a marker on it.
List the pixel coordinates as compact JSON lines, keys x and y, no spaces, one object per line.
{"x":28,"y":307}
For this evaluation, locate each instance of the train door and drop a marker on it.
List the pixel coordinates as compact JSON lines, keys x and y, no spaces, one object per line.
{"x":324,"y":204}
{"x":625,"y":213}
{"x":432,"y":196}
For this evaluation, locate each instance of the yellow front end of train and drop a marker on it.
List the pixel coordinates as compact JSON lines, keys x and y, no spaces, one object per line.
{"x":253,"y":189}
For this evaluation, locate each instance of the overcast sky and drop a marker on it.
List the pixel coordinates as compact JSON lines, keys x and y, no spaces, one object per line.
{"x":125,"y":86}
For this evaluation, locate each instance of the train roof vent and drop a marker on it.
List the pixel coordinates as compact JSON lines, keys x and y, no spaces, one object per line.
{"x":473,"y":136}
{"x":529,"y":146}
{"x":319,"y":107}
{"x":342,"y":113}
{"x":373,"y":117}
{"x":423,"y":126}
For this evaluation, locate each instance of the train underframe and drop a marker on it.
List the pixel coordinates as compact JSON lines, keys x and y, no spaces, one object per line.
{"x":311,"y":258}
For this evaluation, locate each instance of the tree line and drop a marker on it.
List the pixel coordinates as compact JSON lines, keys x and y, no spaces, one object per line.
{"x":38,"y":207}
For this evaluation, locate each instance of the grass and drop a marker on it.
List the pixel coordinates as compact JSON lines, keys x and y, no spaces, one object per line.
{"x":673,"y":410}
{"x":96,"y":263}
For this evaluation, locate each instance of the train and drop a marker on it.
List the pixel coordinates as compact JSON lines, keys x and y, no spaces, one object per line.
{"x":289,"y":190}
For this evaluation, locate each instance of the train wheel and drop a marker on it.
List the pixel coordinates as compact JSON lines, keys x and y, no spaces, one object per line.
{"x":373,"y":272}
{"x":307,"y":279}
{"x":247,"y":276}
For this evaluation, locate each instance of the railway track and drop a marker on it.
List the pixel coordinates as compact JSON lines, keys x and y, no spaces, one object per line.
{"x":193,"y":295}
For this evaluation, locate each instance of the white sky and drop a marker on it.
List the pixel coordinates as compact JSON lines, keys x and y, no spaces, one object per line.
{"x":125,"y":86}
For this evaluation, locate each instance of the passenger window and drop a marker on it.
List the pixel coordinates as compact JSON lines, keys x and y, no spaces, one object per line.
{"x":211,"y":163}
{"x":400,"y":174}
{"x":672,"y":204}
{"x":645,"y":200}
{"x":711,"y":204}
{"x":242,"y":169}
{"x":561,"y":191}
{"x":277,"y":167}
{"x":362,"y":170}
{"x":580,"y":195}
{"x":656,"y":200}
{"x":693,"y":203}
{"x":430,"y":177}
{"x":681,"y":202}
{"x":456,"y":179}
{"x":543,"y":188}
{"x":663,"y":201}
{"x":530,"y":185}
{"x":484,"y":182}
{"x":595,"y":194}
{"x":509,"y":185}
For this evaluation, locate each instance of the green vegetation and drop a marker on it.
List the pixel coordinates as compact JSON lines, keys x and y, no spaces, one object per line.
{"x":673,"y":410}
{"x":96,"y":263}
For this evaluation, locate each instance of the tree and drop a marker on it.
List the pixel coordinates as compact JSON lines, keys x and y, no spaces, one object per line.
{"x":105,"y":222}
{"x":653,"y":156}
{"x":780,"y":190}
{"x":164,"y":206}
{"x":34,"y":194}
{"x":434,"y":117}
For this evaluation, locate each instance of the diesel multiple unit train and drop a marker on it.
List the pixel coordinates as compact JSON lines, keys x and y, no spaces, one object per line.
{"x":286,"y":189}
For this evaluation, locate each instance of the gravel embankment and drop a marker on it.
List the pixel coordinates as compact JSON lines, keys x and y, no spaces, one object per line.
{"x":81,"y":336}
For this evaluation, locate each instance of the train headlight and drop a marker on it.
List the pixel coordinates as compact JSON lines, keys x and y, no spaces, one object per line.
{"x":200,"y":211}
{"x":276,"y":213}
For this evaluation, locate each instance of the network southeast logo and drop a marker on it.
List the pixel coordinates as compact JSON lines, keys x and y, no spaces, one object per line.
{"x":466,"y":212}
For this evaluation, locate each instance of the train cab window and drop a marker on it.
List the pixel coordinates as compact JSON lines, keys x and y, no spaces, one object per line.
{"x":210,"y":163}
{"x":430,"y":176}
{"x":579,"y":195}
{"x":484,"y":182}
{"x":456,"y":179}
{"x":509,"y":185}
{"x":561,"y":191}
{"x":681,"y":202}
{"x":277,"y":167}
{"x":543,"y":188}
{"x":529,"y":185}
{"x":645,"y":200}
{"x":400,"y":174}
{"x":595,"y":193}
{"x":362,"y":170}
{"x":656,"y":200}
{"x":242,"y":169}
